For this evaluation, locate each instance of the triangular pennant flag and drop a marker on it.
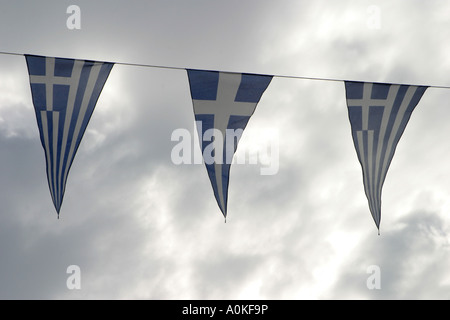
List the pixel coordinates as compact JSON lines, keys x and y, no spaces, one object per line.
{"x":223,"y":104}
{"x":378,"y":113}
{"x":64,"y":93}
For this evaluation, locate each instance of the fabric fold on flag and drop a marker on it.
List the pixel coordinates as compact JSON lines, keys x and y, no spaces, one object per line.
{"x":223,"y":104}
{"x":64,"y":93}
{"x":378,"y":114}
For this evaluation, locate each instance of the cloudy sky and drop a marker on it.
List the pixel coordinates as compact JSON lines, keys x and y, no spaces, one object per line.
{"x":141,"y":227}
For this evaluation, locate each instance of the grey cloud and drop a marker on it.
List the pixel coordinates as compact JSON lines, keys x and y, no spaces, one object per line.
{"x":412,"y":261}
{"x":141,"y":227}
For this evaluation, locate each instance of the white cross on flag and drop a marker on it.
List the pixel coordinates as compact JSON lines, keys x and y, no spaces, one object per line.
{"x":223,"y":104}
{"x":378,"y":113}
{"x":64,"y":93}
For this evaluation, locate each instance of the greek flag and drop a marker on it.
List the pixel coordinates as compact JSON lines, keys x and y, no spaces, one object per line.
{"x":378,"y":113}
{"x":223,"y":104}
{"x":64,"y":93}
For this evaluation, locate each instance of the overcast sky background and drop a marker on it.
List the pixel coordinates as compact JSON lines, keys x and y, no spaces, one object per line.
{"x":141,"y":227}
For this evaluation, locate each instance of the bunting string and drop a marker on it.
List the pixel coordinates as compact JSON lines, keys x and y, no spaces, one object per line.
{"x":65,"y":91}
{"x":143,"y":65}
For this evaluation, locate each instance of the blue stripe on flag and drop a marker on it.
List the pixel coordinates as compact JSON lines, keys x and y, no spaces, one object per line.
{"x":63,"y":67}
{"x":354,"y":90}
{"x":203,"y":84}
{"x":380,"y":91}
{"x":39,"y":96}
{"x":252,"y":87}
{"x":235,"y":123}
{"x":60,"y":96}
{"x":36,"y":65}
